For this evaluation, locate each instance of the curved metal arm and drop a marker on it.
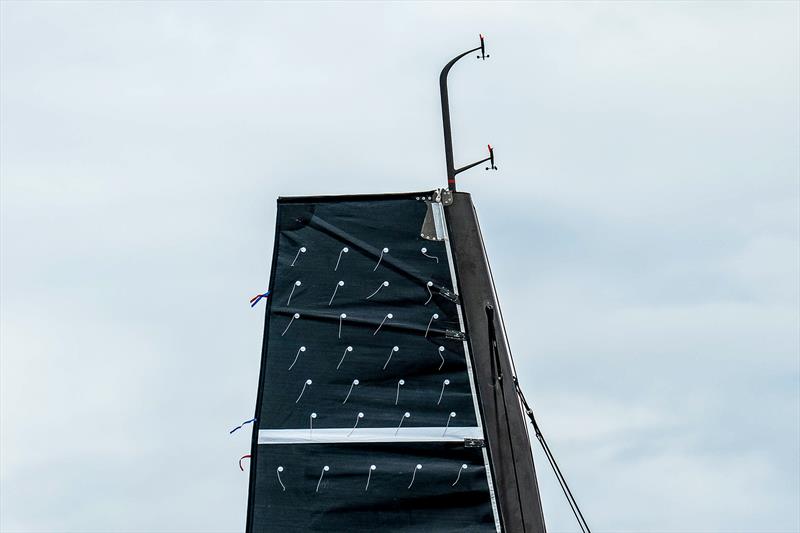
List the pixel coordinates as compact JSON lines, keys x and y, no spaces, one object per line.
{"x":448,"y":136}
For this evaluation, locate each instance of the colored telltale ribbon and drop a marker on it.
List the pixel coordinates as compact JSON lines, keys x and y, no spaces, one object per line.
{"x":241,"y":459}
{"x":257,"y":298}
{"x":242,"y":424}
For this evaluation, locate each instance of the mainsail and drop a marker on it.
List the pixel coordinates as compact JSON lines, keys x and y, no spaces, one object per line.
{"x":379,"y":405}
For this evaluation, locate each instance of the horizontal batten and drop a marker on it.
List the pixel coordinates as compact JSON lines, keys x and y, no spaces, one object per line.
{"x":347,"y":435}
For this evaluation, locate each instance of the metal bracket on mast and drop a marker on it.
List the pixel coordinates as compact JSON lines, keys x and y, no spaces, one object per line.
{"x":452,"y":171}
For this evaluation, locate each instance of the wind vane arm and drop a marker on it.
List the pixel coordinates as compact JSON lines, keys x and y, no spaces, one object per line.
{"x":452,"y":171}
{"x":491,"y":166}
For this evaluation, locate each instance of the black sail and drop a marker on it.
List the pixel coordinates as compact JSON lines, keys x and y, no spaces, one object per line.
{"x":378,"y":406}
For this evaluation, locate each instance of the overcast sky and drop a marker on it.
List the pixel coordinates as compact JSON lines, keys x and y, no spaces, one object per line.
{"x":643,"y":229}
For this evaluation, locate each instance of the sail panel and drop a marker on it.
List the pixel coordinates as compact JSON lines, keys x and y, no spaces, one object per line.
{"x":366,"y":363}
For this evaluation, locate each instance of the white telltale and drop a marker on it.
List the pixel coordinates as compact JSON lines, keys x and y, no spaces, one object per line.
{"x":402,"y":418}
{"x":414,"y":474}
{"x":434,"y":316}
{"x":336,"y":288}
{"x":302,"y":250}
{"x":344,"y":251}
{"x":324,"y":469}
{"x":445,"y":383}
{"x":346,"y":351}
{"x":463,"y":467}
{"x":400,"y":383}
{"x":294,"y":317}
{"x":297,"y":355}
{"x":391,"y":353}
{"x":388,"y":316}
{"x":296,"y":284}
{"x":369,"y":475}
{"x":279,"y":470}
{"x":384,"y":251}
{"x":382,"y":285}
{"x":306,"y":384}
{"x":430,"y":294}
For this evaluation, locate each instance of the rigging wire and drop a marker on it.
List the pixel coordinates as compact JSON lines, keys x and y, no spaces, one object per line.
{"x":573,"y":504}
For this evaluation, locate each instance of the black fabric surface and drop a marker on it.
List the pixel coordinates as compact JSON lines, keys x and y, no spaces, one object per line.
{"x":345,"y":503}
{"x":323,"y":226}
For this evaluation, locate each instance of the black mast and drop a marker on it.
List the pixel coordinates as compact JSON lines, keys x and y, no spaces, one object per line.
{"x":452,"y":171}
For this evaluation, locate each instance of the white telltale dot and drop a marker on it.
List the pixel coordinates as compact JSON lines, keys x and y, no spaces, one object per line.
{"x":303,"y":249}
{"x":424,"y":250}
{"x":345,"y":249}
{"x":355,"y":382}
{"x":386,"y":250}
{"x":402,"y":382}
{"x":429,"y":284}
{"x":407,"y":415}
{"x":296,"y":315}
{"x":280,"y":469}
{"x":298,"y":283}
{"x":308,"y":382}
{"x":390,"y":315}
{"x":343,"y":315}
{"x":385,"y":283}
{"x":372,"y":467}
